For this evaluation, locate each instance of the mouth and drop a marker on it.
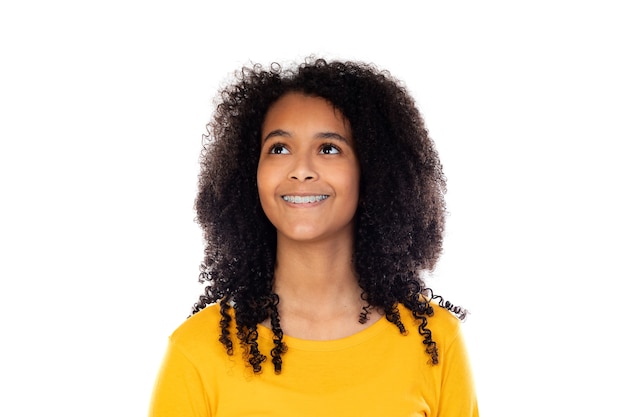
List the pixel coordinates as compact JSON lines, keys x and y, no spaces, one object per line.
{"x":304,"y":199}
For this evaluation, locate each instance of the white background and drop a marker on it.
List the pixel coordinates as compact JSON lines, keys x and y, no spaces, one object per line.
{"x":102,"y":108}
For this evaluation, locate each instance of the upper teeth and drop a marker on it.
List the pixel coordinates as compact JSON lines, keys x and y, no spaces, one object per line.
{"x":304,"y":199}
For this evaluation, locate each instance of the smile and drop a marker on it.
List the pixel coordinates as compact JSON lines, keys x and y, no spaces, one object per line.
{"x":296,"y":199}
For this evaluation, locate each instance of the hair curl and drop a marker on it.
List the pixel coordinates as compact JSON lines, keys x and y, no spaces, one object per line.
{"x":399,"y":220}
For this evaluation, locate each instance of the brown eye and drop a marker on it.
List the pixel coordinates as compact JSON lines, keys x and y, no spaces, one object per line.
{"x":278,"y":149}
{"x":329,"y":149}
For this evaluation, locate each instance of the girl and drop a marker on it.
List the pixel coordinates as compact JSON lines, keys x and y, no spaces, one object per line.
{"x":321,"y":201}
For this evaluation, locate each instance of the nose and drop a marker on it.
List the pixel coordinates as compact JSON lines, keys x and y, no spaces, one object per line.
{"x":303,"y":169}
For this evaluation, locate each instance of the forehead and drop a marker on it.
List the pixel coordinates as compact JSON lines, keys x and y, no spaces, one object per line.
{"x":304,"y":111}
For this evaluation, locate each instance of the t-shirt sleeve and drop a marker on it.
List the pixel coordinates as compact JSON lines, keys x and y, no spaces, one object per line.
{"x":458,"y":395}
{"x":179,"y":390}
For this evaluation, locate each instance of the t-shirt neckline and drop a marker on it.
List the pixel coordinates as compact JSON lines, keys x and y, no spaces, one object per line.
{"x":329,"y":345}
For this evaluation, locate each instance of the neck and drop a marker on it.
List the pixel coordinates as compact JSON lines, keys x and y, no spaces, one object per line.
{"x":316,"y":261}
{"x":320,"y":297}
{"x":319,"y":275}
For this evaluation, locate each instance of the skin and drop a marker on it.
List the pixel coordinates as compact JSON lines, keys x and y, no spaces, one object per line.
{"x":308,"y":182}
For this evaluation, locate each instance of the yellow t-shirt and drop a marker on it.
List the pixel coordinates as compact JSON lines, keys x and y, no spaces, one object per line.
{"x":376,"y":372}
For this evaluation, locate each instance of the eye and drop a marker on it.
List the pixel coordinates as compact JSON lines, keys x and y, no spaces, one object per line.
{"x":278,"y":149}
{"x":329,"y":149}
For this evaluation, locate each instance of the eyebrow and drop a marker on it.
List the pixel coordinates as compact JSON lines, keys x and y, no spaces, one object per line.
{"x":321,"y":135}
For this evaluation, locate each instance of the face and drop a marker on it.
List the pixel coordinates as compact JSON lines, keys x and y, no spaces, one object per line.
{"x":308,"y":172}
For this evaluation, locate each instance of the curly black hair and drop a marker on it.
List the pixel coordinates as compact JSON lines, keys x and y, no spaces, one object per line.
{"x":399,"y":220}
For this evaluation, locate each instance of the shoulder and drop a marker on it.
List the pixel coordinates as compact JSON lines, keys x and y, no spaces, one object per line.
{"x":203,"y":320}
{"x":444,"y":325}
{"x":199,"y":333}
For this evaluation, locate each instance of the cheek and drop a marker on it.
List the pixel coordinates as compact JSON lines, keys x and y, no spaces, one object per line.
{"x":352,"y":183}
{"x":264,"y":186}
